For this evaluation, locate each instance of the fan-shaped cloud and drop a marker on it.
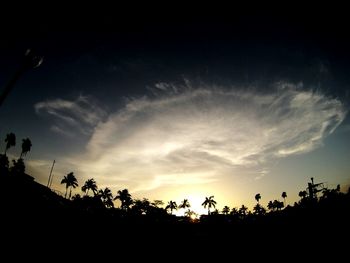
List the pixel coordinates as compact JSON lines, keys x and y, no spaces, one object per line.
{"x":196,"y":135}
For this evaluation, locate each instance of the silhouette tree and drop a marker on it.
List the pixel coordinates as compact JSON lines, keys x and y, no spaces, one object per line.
{"x":26,"y":146}
{"x":157,"y":203}
{"x":185,"y":204}
{"x":10,"y":141}
{"x":125,"y":199}
{"x":141,"y":207}
{"x":4,"y":164}
{"x":90,"y":184}
{"x":234,"y":211}
{"x":107,"y":197}
{"x":171,"y":205}
{"x":277,"y":205}
{"x":215,"y":212}
{"x":209,"y":202}
{"x":259,"y":210}
{"x":284,"y":196}
{"x":338,"y":188}
{"x":191,"y":214}
{"x":243,"y":211}
{"x":257,"y":197}
{"x":70,"y":182}
{"x":302,"y":194}
{"x":76,"y":197}
{"x":270,"y":206}
{"x":18,"y":167}
{"x":226,"y":210}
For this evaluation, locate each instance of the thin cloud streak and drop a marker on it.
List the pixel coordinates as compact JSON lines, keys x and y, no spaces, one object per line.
{"x":79,"y":116}
{"x":200,"y":135}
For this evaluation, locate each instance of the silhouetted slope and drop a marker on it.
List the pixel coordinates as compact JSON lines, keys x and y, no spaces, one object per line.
{"x":31,"y":211}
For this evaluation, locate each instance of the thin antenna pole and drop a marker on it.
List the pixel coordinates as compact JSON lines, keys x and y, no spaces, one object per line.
{"x":50,"y":176}
{"x":51,"y":181}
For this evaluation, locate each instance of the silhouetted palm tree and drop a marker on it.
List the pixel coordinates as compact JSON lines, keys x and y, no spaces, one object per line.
{"x":26,"y":146}
{"x":70,"y":182}
{"x":226,"y":210}
{"x":171,"y":205}
{"x":157,"y":203}
{"x":270,"y":206}
{"x":125,"y":199}
{"x":284,"y":196}
{"x":90,"y":184}
{"x":277,"y":205}
{"x":10,"y":141}
{"x":259,"y":209}
{"x":209,"y":202}
{"x":107,"y":197}
{"x":234,"y":211}
{"x":190,"y":213}
{"x":141,"y":207}
{"x":243,"y":211}
{"x":302,"y":194}
{"x":257,"y":197}
{"x":185,"y":204}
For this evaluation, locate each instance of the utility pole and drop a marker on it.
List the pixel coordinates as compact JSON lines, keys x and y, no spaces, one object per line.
{"x":49,"y":182}
{"x":314,"y":189}
{"x":29,"y":61}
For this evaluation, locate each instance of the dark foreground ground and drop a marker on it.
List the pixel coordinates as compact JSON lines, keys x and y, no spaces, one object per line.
{"x":35,"y":221}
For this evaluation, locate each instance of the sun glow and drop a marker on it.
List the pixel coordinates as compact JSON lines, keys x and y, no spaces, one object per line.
{"x":196,"y":201}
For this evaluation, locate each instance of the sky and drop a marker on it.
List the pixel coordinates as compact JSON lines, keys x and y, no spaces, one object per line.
{"x":208,"y":105}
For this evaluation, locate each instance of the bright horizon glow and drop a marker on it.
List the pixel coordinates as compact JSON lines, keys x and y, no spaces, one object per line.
{"x":195,"y":201}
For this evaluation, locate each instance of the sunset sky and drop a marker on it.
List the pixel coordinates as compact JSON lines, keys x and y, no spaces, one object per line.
{"x":173,"y":110}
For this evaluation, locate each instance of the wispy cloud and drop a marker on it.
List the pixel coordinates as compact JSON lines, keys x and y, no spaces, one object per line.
{"x":72,"y":117}
{"x":196,"y":135}
{"x":261,"y":174}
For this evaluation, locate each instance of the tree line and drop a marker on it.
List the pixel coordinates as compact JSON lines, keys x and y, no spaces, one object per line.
{"x":93,"y":196}
{"x":18,"y":166}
